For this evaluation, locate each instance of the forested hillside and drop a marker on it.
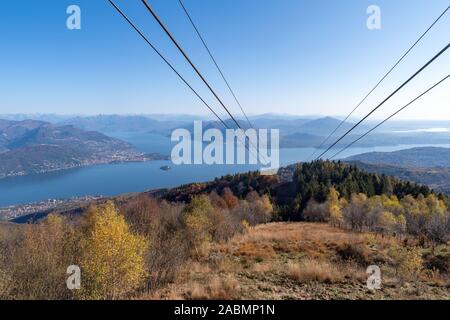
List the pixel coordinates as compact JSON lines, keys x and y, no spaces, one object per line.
{"x":309,"y":181}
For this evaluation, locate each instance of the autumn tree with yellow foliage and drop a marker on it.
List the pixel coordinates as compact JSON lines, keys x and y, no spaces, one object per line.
{"x":112,"y":261}
{"x":197,"y":221}
{"x":334,"y":208}
{"x":422,"y":216}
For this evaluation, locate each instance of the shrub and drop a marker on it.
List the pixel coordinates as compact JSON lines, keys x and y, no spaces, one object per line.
{"x":358,"y":253}
{"x":38,"y":261}
{"x":197,"y":221}
{"x":229,"y":198}
{"x":217,"y":201}
{"x":5,"y":284}
{"x":316,"y":212}
{"x":438,"y":262}
{"x":163,"y":226}
{"x":356,"y":214}
{"x":168,"y":253}
{"x":142,"y":214}
{"x":407,"y":261}
{"x":169,"y":249}
{"x":438,"y":227}
{"x":387,"y":222}
{"x":261,"y":208}
{"x":224,"y":225}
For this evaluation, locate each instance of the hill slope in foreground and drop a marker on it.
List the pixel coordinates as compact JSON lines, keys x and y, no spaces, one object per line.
{"x":304,"y":261}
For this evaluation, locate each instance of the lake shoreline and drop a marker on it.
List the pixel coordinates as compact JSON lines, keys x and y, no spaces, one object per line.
{"x":135,"y":159}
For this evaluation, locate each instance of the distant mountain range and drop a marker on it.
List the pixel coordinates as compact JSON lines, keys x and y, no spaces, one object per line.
{"x":115,"y":123}
{"x":428,"y":165}
{"x":295,"y":132}
{"x":30,"y":146}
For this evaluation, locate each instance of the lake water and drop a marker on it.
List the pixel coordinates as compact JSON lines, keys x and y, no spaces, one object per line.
{"x":114,"y":179}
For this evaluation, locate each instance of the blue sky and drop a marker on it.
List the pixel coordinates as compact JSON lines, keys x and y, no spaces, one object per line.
{"x":297,"y":57}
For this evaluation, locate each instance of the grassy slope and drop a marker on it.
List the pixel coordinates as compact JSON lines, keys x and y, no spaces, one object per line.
{"x":301,"y":261}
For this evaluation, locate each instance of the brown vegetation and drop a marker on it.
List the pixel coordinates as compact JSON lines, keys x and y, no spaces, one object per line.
{"x":220,"y":246}
{"x":308,"y":261}
{"x":124,"y":251}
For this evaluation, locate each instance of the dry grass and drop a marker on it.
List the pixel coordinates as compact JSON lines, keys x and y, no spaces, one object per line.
{"x":310,"y":270}
{"x":298,"y":261}
{"x":217,"y":289}
{"x":211,"y":287}
{"x":436,"y":278}
{"x":258,"y":251}
{"x":197,"y":267}
{"x":266,"y":267}
{"x":227,"y":265}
